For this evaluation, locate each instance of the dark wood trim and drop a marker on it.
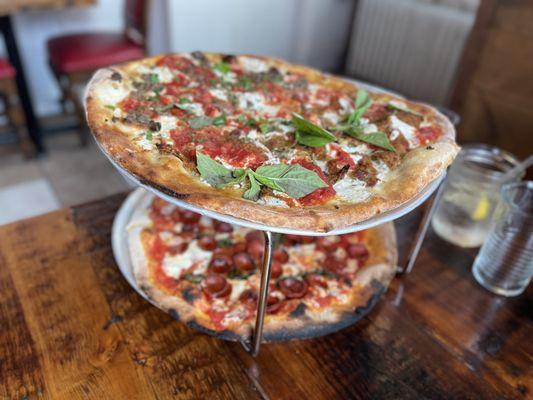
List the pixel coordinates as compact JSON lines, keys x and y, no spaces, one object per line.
{"x":471,"y":53}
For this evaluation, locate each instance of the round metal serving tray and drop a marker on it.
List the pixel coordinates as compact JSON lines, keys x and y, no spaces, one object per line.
{"x":121,"y":251}
{"x":369,"y":223}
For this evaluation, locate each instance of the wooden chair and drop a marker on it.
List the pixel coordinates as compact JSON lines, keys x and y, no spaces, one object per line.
{"x":73,"y":58}
{"x":12,"y":106}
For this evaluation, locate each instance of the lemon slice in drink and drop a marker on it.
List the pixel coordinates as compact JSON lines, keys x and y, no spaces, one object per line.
{"x":482,"y":209}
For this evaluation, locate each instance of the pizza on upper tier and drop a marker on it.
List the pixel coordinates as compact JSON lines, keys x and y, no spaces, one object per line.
{"x":266,"y":141}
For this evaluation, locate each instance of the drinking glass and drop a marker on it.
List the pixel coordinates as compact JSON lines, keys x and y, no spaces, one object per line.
{"x":463,"y":216}
{"x":504,"y":264}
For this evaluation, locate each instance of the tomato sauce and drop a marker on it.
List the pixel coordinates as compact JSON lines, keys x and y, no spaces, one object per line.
{"x":428,"y":134}
{"x":216,"y":317}
{"x":319,"y":196}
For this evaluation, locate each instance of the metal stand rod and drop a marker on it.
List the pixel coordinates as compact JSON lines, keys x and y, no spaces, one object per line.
{"x":257,"y":334}
{"x":422,"y":230}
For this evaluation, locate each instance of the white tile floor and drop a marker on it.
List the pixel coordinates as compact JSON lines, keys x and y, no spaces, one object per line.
{"x":67,"y":175}
{"x":26,"y":199}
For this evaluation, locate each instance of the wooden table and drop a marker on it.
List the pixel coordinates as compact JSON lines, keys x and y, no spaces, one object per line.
{"x":72,"y":328}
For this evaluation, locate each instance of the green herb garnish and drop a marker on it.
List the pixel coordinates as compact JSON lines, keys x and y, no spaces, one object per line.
{"x":111,"y":107}
{"x":353,"y":127}
{"x":202,"y":121}
{"x":310,"y":134}
{"x":164,"y":108}
{"x":148,"y":135}
{"x":225,"y":242}
{"x":193,"y":278}
{"x":222,"y":67}
{"x":220,"y":120}
{"x":184,"y":100}
{"x":244,"y":82}
{"x":395,"y":107}
{"x":294,"y":180}
{"x":154,"y":79}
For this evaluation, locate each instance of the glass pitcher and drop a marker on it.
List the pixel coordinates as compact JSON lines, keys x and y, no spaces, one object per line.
{"x":472,"y":191}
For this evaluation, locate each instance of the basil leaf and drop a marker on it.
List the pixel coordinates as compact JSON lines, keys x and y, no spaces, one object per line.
{"x":184,"y":100}
{"x":154,"y":79}
{"x":294,"y":180}
{"x":212,"y":171}
{"x":148,"y":135}
{"x":220,"y":120}
{"x":164,"y":108}
{"x":253,"y":192}
{"x":200,"y":122}
{"x":362,"y":102}
{"x":265,"y":128}
{"x":378,"y":139}
{"x":311,"y":141}
{"x":222,"y":67}
{"x":307,"y":132}
{"x":226,"y":242}
{"x":193,"y":278}
{"x":394,"y":107}
{"x":238,"y":176}
{"x":245,"y":82}
{"x":111,"y":107}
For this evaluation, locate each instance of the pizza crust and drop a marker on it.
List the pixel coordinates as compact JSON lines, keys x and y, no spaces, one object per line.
{"x":369,"y":284}
{"x":166,"y":173}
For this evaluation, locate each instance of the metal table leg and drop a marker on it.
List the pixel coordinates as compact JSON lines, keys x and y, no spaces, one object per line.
{"x":422,"y":230}
{"x":12,"y":50}
{"x":257,"y":334}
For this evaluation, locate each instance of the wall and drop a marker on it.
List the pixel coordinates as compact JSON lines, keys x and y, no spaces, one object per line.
{"x":312,"y":32}
{"x":494,"y":94}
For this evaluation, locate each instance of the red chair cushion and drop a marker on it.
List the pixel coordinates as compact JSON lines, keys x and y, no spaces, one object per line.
{"x":6,"y":69}
{"x":88,"y":51}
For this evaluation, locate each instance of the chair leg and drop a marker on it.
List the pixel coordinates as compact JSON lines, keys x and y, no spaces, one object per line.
{"x":75,"y":99}
{"x":16,"y":119}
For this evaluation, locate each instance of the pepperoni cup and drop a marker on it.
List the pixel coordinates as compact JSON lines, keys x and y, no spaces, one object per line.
{"x":220,"y":265}
{"x":215,"y":285}
{"x":293,"y":288}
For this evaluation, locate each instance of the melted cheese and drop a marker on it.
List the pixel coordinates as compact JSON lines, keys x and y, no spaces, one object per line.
{"x":219,"y":94}
{"x":250,"y":64}
{"x":237,"y":287}
{"x":111,"y":92}
{"x":256,"y":101}
{"x":175,"y":265}
{"x":406,"y":130}
{"x":352,"y":190}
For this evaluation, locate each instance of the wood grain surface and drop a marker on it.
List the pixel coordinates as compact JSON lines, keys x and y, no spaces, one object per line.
{"x":15,"y":6}
{"x":72,"y":328}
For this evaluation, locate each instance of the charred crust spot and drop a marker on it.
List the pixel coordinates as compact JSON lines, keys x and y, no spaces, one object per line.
{"x":115,"y":76}
{"x":190,"y":295}
{"x":154,"y":126}
{"x":199,"y":56}
{"x":430,"y":148}
{"x":163,"y":189}
{"x":174,"y":314}
{"x":228,"y":58}
{"x":225,"y":334}
{"x":336,"y":207}
{"x":298,"y":311}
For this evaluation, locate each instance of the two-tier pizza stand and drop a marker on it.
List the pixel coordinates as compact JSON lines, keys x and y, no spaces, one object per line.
{"x":252,"y":345}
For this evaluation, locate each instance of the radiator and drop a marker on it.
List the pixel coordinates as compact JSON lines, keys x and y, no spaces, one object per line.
{"x":410,"y":46}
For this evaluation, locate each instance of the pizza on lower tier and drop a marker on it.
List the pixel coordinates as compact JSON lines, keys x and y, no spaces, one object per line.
{"x":266,"y":141}
{"x":207,"y":273}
